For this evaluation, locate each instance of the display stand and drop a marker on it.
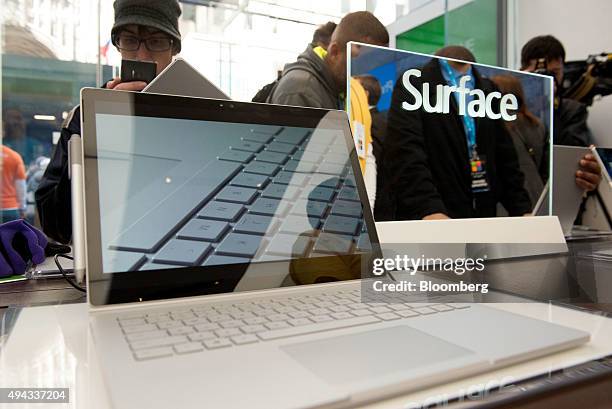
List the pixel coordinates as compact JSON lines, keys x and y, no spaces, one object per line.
{"x":498,"y":237}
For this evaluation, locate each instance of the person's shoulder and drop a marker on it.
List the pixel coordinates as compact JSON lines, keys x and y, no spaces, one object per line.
{"x":427,"y":73}
{"x":572,"y":112}
{"x":11,"y":159}
{"x":298,"y":76}
{"x":299,"y":87}
{"x":484,"y":83}
{"x":571,"y":106}
{"x":8,"y":153}
{"x":431,"y":70}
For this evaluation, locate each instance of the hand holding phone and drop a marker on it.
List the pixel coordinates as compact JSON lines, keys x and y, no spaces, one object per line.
{"x":116,"y":84}
{"x":132,"y":70}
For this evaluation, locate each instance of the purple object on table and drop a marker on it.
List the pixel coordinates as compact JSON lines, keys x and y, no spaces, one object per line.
{"x":20,"y":242}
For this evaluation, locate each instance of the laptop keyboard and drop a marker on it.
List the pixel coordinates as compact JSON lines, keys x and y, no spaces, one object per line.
{"x":224,"y":325}
{"x":275,"y":186}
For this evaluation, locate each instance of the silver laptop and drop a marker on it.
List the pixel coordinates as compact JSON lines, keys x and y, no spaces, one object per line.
{"x":567,"y":196}
{"x":226,"y":245}
{"x":180,"y":78}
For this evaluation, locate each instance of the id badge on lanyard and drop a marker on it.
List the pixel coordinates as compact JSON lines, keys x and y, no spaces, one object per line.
{"x":479,"y":174}
{"x":477,"y":163}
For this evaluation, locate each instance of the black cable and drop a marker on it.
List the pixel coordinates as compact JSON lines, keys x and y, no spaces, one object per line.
{"x":61,"y":270}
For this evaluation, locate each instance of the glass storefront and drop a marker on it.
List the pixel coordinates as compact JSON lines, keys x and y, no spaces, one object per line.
{"x":50,"y":49}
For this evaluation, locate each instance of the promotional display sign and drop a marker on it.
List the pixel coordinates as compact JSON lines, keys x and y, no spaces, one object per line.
{"x":452,"y":138}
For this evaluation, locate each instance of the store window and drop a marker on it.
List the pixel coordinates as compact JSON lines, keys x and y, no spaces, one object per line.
{"x":49,"y":52}
{"x":50,"y":49}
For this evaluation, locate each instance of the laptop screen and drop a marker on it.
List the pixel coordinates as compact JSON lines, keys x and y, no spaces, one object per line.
{"x":245,"y":204}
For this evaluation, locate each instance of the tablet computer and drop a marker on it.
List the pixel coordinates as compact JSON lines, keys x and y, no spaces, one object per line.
{"x":181,"y":79}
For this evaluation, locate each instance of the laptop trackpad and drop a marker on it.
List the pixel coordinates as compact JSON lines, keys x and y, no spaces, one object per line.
{"x":367,"y":355}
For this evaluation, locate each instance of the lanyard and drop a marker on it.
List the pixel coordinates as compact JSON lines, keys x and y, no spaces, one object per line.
{"x":468,"y":122}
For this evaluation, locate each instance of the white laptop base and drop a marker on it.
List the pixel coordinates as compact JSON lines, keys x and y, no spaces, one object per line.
{"x":185,"y":354}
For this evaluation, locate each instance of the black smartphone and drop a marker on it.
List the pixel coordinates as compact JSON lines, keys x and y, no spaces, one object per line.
{"x":132,"y":70}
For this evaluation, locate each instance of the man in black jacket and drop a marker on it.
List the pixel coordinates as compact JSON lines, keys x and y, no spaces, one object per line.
{"x":144,"y":30}
{"x":570,"y":117}
{"x":427,"y":158}
{"x":318,"y":78}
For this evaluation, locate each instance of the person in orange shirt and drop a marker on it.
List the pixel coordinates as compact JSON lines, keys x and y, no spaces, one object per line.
{"x":13,"y":185}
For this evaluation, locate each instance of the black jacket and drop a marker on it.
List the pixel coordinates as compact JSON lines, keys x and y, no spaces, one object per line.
{"x":570,"y":124}
{"x":379,"y":130}
{"x":53,"y":193}
{"x":426,"y":159}
{"x":307,"y":82}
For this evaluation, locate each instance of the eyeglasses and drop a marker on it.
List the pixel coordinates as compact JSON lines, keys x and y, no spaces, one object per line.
{"x":132,"y":43}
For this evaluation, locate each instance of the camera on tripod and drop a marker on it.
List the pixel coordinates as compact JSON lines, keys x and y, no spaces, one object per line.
{"x":587,"y":80}
{"x":583,"y":81}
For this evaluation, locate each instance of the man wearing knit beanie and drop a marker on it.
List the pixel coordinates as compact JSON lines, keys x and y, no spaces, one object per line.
{"x":144,"y":30}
